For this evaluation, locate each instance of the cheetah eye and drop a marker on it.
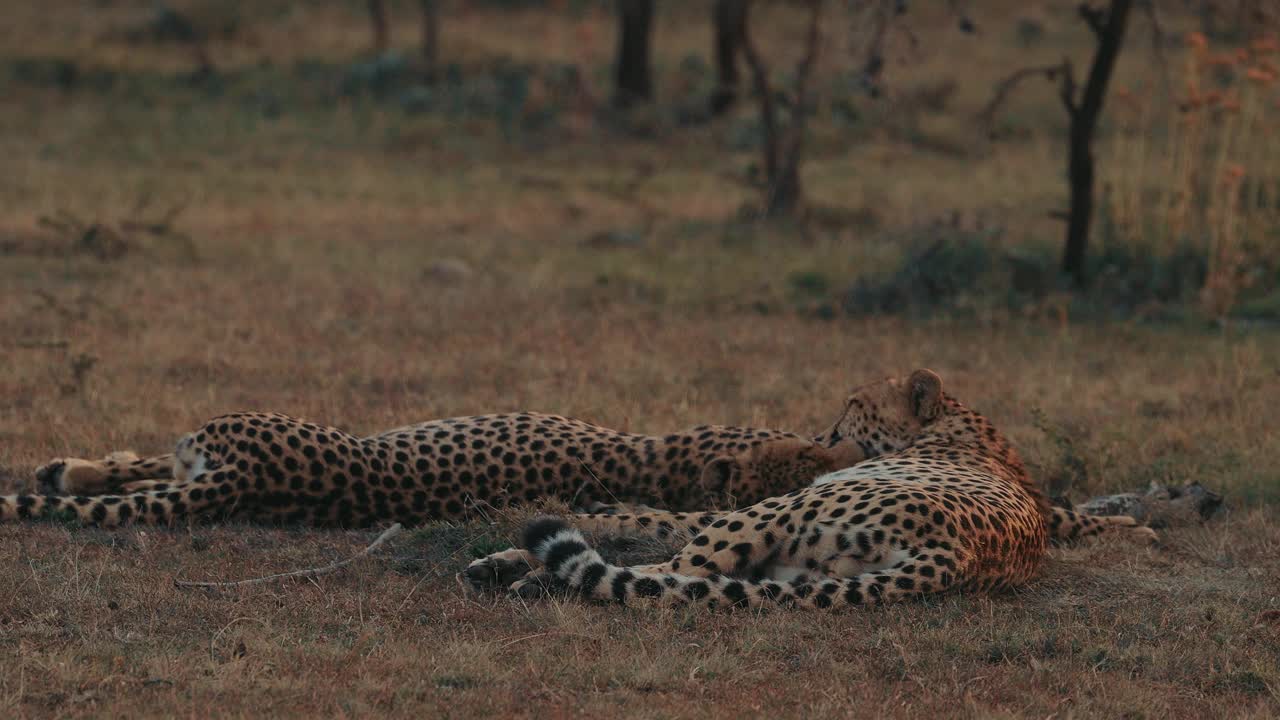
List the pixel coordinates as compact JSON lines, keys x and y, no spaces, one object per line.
{"x":835,"y":437}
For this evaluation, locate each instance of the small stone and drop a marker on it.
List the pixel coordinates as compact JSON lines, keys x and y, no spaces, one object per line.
{"x":448,"y":271}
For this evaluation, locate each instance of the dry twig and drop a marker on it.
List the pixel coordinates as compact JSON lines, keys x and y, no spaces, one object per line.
{"x":40,"y":344}
{"x":307,"y":573}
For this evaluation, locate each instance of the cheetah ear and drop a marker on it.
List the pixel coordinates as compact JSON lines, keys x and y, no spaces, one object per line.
{"x":925,"y":388}
{"x":719,"y":474}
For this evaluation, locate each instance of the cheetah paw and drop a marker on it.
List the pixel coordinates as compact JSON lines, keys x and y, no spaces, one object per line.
{"x":1142,"y":533}
{"x":1132,"y":529}
{"x":71,"y":476}
{"x":498,"y":570}
{"x":537,"y":585}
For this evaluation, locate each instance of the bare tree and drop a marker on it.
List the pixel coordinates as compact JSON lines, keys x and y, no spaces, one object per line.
{"x":633,"y":81}
{"x":783,"y":142}
{"x":381,"y":25}
{"x":430,"y":35}
{"x":877,"y":26}
{"x":730,"y":25}
{"x":1108,"y":27}
{"x":1083,"y":111}
{"x":430,"y":32}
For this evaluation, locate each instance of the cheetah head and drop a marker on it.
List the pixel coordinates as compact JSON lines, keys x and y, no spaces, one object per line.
{"x":888,"y":415}
{"x":773,"y":468}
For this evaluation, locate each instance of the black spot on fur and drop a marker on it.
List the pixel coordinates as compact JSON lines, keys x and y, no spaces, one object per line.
{"x":735,"y":593}
{"x":591,"y":577}
{"x":696,"y":590}
{"x":647,"y":587}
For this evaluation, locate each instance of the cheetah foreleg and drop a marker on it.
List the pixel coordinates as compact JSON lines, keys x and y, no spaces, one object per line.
{"x":498,"y":570}
{"x":74,"y":476}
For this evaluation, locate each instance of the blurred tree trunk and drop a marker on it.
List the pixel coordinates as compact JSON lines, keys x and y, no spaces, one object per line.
{"x":633,"y":79}
{"x":430,"y":36}
{"x":783,"y":142}
{"x":1108,"y":26}
{"x":730,"y":26}
{"x":381,"y":26}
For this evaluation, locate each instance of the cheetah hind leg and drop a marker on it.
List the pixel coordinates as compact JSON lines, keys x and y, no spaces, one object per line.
{"x":541,"y":582}
{"x":74,"y":476}
{"x":1067,"y":527}
{"x":1128,"y":528}
{"x":522,"y":573}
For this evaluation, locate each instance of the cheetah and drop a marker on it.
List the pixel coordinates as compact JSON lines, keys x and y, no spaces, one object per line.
{"x":942,"y":503}
{"x":274,"y":468}
{"x":1066,"y":526}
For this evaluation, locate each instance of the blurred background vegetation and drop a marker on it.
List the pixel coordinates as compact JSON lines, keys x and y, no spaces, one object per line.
{"x":847,"y":156}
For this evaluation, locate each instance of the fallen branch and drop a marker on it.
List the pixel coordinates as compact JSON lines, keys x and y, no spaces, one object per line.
{"x":307,"y":573}
{"x":41,"y":344}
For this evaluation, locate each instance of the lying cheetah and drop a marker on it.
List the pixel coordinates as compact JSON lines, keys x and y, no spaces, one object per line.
{"x":943,"y":503}
{"x":1066,"y":526}
{"x":271,"y":467}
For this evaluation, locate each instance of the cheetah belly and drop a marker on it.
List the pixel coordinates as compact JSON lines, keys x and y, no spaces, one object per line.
{"x":839,"y":566}
{"x":867,"y":470}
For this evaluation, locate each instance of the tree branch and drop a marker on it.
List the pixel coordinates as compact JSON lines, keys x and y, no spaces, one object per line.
{"x":381,"y":25}
{"x":805,"y":68}
{"x":1005,"y":88}
{"x":1067,"y":89}
{"x":813,"y":39}
{"x":1095,"y":18}
{"x":760,"y":79}
{"x":874,"y":65}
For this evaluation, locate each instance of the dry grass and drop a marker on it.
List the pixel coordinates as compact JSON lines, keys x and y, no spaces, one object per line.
{"x":307,"y":287}
{"x":1201,"y":180}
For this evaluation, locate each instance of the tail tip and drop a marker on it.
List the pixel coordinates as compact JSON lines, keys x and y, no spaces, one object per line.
{"x":539,"y":529}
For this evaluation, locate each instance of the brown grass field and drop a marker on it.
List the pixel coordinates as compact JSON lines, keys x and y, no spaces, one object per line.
{"x":313,"y":269}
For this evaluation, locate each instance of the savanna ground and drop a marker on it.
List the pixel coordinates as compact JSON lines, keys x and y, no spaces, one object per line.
{"x":339,"y":257}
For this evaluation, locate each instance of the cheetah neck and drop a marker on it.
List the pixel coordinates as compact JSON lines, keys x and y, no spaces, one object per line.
{"x":964,"y":432}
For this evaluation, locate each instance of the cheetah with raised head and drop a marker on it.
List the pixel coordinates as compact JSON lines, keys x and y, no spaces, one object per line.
{"x":275,"y":468}
{"x":942,"y":503}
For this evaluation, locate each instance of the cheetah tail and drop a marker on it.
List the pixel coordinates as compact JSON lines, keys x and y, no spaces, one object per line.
{"x":152,"y":507}
{"x":565,"y":553}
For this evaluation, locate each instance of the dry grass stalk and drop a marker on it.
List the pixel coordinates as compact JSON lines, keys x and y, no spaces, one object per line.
{"x":308,"y":573}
